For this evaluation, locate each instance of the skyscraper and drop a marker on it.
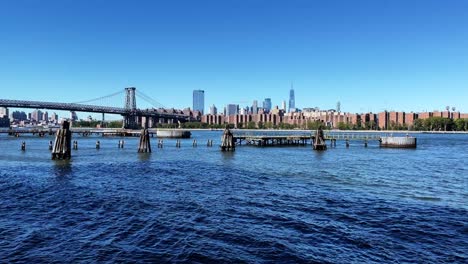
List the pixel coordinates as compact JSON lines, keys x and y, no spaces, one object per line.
{"x":213,"y":110}
{"x":267,"y":105}
{"x":292,"y":100}
{"x":255,"y":107}
{"x":199,"y":100}
{"x":283,"y":106}
{"x":232,"y":109}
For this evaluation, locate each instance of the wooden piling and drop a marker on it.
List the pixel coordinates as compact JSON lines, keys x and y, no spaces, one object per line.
{"x":145,"y":145}
{"x":23,"y":146}
{"x":319,"y":142}
{"x":62,"y":145}
{"x":227,"y":141}
{"x":194,"y":143}
{"x":50,"y":145}
{"x":98,"y":144}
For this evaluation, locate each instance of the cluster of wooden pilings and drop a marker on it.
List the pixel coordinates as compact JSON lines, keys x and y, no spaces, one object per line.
{"x":227,"y":141}
{"x":62,"y":145}
{"x":144,"y":146}
{"x":319,"y":140}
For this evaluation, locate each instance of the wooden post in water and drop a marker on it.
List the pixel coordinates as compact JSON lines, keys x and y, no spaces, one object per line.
{"x":62,"y":145}
{"x":227,"y":141}
{"x":145,"y":145}
{"x":319,"y":143}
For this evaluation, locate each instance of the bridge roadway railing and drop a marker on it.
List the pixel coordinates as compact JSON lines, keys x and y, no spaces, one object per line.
{"x":90,"y":108}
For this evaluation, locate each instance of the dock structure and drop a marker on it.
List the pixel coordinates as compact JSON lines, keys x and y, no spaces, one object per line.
{"x":273,"y":140}
{"x":352,"y":136}
{"x":316,"y":138}
{"x":62,"y":145}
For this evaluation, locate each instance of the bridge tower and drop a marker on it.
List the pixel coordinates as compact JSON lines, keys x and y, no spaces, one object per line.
{"x":130,"y":118}
{"x":130,"y":100}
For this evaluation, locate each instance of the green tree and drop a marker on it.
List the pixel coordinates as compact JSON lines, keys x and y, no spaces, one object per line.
{"x":461,"y":124}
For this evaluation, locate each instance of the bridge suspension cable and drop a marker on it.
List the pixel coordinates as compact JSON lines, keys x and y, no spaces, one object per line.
{"x":149,"y":100}
{"x":100,"y":98}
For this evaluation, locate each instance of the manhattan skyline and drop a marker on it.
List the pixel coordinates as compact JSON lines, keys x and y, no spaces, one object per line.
{"x":369,"y":55}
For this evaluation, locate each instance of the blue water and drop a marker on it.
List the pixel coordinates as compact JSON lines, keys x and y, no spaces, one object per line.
{"x":256,"y":205}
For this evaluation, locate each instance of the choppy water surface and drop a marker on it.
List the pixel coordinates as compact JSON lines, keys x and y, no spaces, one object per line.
{"x":283,"y":205}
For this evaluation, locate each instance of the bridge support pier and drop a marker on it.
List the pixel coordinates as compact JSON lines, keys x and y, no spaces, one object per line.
{"x":130,"y":122}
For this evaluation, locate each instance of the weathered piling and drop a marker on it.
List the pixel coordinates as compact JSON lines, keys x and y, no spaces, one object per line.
{"x":145,"y":145}
{"x":75,"y":145}
{"x":194,"y":143}
{"x":365,"y":143}
{"x":98,"y":144}
{"x":50,"y":145}
{"x":121,"y":144}
{"x":160,"y":143}
{"x":398,"y":142}
{"x":227,"y":141}
{"x":62,"y":145}
{"x":177,"y":143}
{"x":23,"y":146}
{"x":347,"y":143}
{"x":319,"y":141}
{"x":209,"y":143}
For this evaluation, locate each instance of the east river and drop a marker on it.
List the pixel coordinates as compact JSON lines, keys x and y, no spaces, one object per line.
{"x":256,"y":205}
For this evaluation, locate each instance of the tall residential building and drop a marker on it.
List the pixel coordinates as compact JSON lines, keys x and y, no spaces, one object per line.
{"x":232,"y":109}
{"x":283,"y":106}
{"x":292,"y":100}
{"x":213,"y":110}
{"x":45,"y":117}
{"x":199,"y":100}
{"x":3,"y":112}
{"x":73,"y":116}
{"x":36,"y":115}
{"x":255,"y":107}
{"x":54,"y":118}
{"x":267,"y":105}
{"x":19,"y":116}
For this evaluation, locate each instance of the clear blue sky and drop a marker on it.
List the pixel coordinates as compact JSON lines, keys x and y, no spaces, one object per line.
{"x":371,"y":55}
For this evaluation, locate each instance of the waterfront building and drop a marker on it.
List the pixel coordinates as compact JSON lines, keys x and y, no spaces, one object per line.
{"x":199,"y":100}
{"x":4,"y":121}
